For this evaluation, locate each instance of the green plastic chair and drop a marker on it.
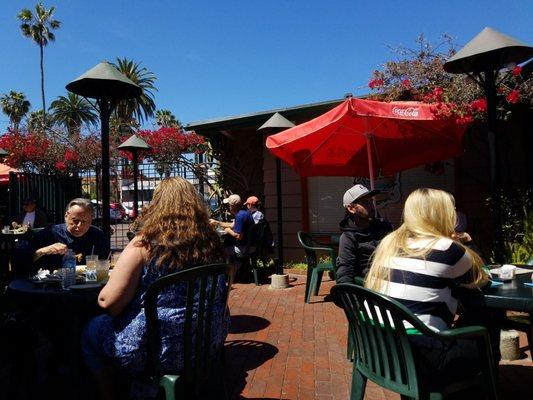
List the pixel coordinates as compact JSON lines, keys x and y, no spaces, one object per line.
{"x":200,"y":364}
{"x":383,"y":352}
{"x":315,"y":269}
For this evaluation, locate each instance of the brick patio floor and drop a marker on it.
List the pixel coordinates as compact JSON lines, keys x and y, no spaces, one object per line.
{"x":281,"y":348}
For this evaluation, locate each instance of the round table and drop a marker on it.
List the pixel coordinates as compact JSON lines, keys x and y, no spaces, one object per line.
{"x":66,"y":313}
{"x":512,"y":295}
{"x":25,"y":292}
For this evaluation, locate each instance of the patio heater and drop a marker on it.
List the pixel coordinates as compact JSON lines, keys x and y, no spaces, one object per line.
{"x":481,"y":59}
{"x":134,"y":144}
{"x":275,"y":124}
{"x":108,"y":87}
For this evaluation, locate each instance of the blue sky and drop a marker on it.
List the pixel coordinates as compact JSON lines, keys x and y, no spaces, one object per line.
{"x":222,"y":58}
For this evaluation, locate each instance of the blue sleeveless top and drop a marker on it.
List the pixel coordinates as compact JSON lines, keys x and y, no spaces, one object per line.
{"x":123,"y":338}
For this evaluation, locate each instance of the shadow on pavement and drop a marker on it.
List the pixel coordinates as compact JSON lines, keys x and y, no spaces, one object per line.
{"x":247,"y":323}
{"x":515,"y":381}
{"x":243,"y":356}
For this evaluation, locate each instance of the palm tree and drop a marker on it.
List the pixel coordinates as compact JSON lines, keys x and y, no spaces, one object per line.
{"x":15,"y":106}
{"x":34,"y":121}
{"x":142,"y":107}
{"x":166,"y":119}
{"x":73,"y":111}
{"x":39,"y":28}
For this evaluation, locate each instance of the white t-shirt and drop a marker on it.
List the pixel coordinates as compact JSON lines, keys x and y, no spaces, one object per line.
{"x":257,"y":216}
{"x":29,"y":219}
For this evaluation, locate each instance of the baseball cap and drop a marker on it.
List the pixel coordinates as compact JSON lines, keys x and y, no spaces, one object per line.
{"x":252,"y":200}
{"x":233,"y":200}
{"x":355,"y":193}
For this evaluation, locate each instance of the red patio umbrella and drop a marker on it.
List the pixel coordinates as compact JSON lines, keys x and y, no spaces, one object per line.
{"x":4,"y":173}
{"x":359,"y":136}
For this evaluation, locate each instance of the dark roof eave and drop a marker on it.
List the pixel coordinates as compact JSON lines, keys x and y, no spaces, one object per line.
{"x":257,"y":118}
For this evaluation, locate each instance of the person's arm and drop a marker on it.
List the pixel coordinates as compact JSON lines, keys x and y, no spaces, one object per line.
{"x":124,"y":280}
{"x":347,"y":260}
{"x":237,"y":227}
{"x":215,"y":223}
{"x":56,"y":248}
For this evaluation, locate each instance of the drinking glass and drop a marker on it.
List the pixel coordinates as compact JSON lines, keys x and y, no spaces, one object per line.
{"x":114,"y":259}
{"x":102,"y":270}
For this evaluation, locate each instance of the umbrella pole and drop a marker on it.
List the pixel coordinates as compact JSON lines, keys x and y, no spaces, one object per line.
{"x":371,"y":169}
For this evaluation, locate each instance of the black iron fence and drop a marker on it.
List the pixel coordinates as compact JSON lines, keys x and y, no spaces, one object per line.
{"x":51,"y":192}
{"x":122,"y":189}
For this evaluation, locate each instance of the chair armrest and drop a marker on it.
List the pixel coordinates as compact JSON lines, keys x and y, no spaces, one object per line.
{"x":331,"y":251}
{"x":468,"y":332}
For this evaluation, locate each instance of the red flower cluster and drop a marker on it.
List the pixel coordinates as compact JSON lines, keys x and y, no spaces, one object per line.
{"x":168,"y":143}
{"x":513,"y":96}
{"x":44,"y":154}
{"x":376,"y":83}
{"x":70,"y":156}
{"x":479,"y":105}
{"x":406,"y":83}
{"x":435,"y":96}
{"x":517,"y":70}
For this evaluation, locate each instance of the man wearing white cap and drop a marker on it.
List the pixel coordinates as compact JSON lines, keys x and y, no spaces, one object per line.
{"x":236,"y":231}
{"x":361,"y":233}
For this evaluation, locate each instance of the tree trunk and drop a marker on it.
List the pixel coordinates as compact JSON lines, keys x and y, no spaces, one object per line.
{"x":42,"y":85}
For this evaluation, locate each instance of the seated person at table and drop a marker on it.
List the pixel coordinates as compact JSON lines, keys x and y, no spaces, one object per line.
{"x":172,"y":233}
{"x":361,"y":231}
{"x":76,"y":233}
{"x":31,"y":216}
{"x":418,"y":265}
{"x":235,"y":240}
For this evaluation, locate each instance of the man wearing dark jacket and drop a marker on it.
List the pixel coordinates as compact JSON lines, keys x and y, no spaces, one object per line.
{"x":361,"y":233}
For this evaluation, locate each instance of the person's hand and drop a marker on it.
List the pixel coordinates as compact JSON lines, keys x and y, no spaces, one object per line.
{"x":461,"y":237}
{"x":56,"y":248}
{"x":213,"y":222}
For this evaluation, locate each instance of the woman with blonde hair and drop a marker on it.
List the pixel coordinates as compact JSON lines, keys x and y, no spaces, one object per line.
{"x":172,"y":233}
{"x":421,"y":263}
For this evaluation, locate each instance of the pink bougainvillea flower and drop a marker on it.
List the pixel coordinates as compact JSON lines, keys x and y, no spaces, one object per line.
{"x":517,"y":70}
{"x":513,"y":96}
{"x":479,"y":105}
{"x":61,"y":166}
{"x":375,"y":83}
{"x":406,"y":83}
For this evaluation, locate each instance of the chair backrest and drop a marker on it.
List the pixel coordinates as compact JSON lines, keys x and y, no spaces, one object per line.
{"x":202,"y":282}
{"x":382,"y":349}
{"x":306,"y":240}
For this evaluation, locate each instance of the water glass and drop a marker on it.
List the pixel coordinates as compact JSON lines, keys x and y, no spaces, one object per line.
{"x":5,"y":229}
{"x":102,"y":270}
{"x":114,"y":259}
{"x":68,"y":277}
{"x":90,"y":260}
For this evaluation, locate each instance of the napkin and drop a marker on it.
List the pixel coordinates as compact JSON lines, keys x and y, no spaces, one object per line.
{"x":42,"y":274}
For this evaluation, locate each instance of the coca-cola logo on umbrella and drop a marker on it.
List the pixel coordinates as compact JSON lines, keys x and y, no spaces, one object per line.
{"x":405,"y":112}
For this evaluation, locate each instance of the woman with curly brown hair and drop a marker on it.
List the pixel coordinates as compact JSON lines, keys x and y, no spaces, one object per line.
{"x":172,"y":233}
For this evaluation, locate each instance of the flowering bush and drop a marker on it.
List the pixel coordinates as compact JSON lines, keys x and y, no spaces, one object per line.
{"x":419,"y":75}
{"x":33,"y":152}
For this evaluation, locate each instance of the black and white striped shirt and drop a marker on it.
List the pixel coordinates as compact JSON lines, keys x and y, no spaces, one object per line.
{"x":424,"y":285}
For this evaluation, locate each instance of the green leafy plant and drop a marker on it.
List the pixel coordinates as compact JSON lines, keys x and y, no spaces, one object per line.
{"x":517,"y":227}
{"x":520,"y":250}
